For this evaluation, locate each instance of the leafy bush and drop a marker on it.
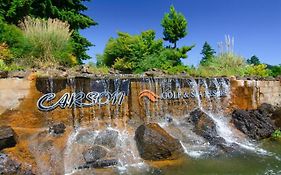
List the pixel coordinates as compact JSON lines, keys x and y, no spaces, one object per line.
{"x":98,"y":70}
{"x":10,"y":35}
{"x":139,"y":53}
{"x":49,"y":42}
{"x":130,"y":48}
{"x":275,"y":70}
{"x":180,"y":69}
{"x":5,"y":54}
{"x":276,"y":134}
{"x":11,"y":67}
{"x":257,"y":70}
{"x":158,"y":61}
{"x":12,"y":39}
{"x":123,"y":65}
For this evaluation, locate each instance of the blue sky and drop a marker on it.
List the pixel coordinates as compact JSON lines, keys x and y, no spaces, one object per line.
{"x":254,"y":24}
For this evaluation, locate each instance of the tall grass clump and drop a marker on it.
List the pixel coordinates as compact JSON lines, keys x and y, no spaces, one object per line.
{"x":226,"y":63}
{"x":49,"y":42}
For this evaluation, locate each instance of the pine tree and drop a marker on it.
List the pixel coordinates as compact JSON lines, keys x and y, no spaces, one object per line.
{"x":208,"y":53}
{"x":174,"y":26}
{"x":71,"y":11}
{"x":254,"y":60}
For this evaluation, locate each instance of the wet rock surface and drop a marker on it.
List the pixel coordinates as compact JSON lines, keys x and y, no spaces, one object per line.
{"x":99,"y":164}
{"x":205,"y":127}
{"x":256,"y":124}
{"x":48,"y":85}
{"x":9,"y":166}
{"x":7,"y":137}
{"x":58,"y":128}
{"x":107,"y":138}
{"x":93,"y":154}
{"x":154,"y":143}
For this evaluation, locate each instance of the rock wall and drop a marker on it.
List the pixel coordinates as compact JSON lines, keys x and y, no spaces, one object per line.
{"x":142,"y":98}
{"x":249,"y":94}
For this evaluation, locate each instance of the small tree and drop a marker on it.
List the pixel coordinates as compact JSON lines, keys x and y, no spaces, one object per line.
{"x":208,"y":53}
{"x":174,"y":26}
{"x":254,"y":60}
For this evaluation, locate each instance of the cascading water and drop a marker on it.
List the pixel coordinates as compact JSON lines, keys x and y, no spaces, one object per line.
{"x":84,"y":136}
{"x":214,"y":109}
{"x":174,"y":99}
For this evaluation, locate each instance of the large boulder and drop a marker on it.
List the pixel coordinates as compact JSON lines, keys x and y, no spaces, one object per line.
{"x":7,"y":137}
{"x":93,"y":154}
{"x":154,"y":143}
{"x":107,"y":138}
{"x":205,"y":127}
{"x":254,"y":123}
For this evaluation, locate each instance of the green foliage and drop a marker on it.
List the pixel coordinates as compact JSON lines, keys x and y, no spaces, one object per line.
{"x":158,"y":61}
{"x":130,"y":49}
{"x":13,"y":37}
{"x":179,"y":69}
{"x":226,"y":64}
{"x":174,"y":25}
{"x":49,"y":42}
{"x":257,"y":70}
{"x":139,"y":53}
{"x":5,"y":54}
{"x":254,"y":60}
{"x":276,"y":134}
{"x":70,"y":11}
{"x":208,"y":54}
{"x":123,"y":65}
{"x":10,"y":67}
{"x":275,"y":70}
{"x":97,"y":70}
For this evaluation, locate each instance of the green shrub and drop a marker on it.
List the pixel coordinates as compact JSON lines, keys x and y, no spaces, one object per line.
{"x":98,"y":70}
{"x":123,"y":65}
{"x":139,"y":53}
{"x":49,"y":42}
{"x":276,"y":134}
{"x":10,"y":35}
{"x":257,"y":70}
{"x":275,"y":70}
{"x":11,"y":67}
{"x":179,"y":69}
{"x":13,"y":39}
{"x":5,"y":54}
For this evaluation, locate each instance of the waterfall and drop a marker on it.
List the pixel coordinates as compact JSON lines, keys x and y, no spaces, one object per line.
{"x":173,"y":100}
{"x":217,"y":115}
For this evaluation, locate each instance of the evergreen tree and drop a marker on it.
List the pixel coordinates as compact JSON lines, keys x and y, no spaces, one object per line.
{"x":208,"y":53}
{"x":174,"y":26}
{"x":71,"y":11}
{"x":254,"y":60}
